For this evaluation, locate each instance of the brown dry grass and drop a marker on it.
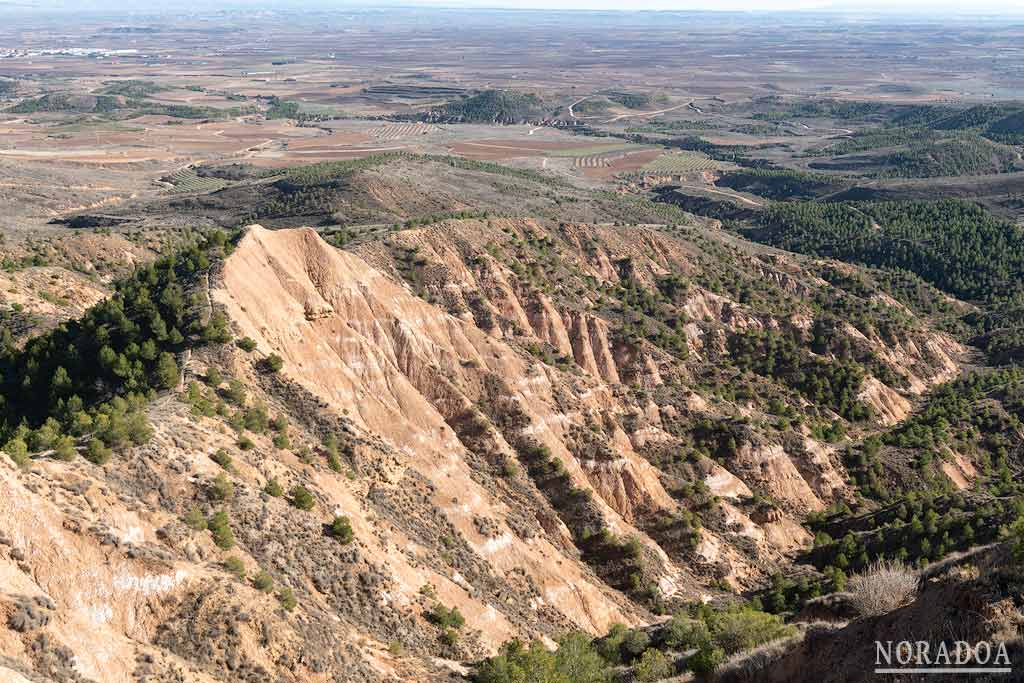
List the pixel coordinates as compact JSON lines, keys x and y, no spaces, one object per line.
{"x":883,"y":587}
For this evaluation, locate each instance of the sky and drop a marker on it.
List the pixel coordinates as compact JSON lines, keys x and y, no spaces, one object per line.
{"x":924,"y":8}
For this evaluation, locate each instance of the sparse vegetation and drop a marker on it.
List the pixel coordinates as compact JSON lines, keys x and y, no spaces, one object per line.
{"x":537,"y":368}
{"x":235,"y":565}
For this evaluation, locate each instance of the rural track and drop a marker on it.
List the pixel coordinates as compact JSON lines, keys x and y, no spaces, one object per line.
{"x":739,"y":197}
{"x":582,"y":99}
{"x":643,"y":114}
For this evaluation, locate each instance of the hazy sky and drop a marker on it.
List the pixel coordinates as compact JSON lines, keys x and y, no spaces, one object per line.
{"x":924,"y":8}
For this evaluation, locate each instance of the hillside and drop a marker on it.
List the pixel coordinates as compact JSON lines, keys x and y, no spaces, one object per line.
{"x":1009,"y":129}
{"x":531,"y":423}
{"x":491,"y":106}
{"x":351,"y":201}
{"x":917,"y":153}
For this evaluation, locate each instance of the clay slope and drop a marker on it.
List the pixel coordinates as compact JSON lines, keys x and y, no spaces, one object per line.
{"x":444,"y":387}
{"x":406,"y":371}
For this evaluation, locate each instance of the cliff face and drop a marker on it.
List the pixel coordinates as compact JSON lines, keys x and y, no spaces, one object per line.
{"x":506,"y":428}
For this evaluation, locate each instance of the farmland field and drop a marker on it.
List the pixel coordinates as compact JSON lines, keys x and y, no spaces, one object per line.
{"x":595,"y":150}
{"x":396,"y":131}
{"x":596,"y":161}
{"x":683,"y":162}
{"x":187,"y":180}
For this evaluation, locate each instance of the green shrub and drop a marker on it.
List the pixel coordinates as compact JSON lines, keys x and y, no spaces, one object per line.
{"x":235,"y":565}
{"x":213,"y":377}
{"x":446,"y":618}
{"x":247,"y":344}
{"x":610,"y":647}
{"x":17,"y":450}
{"x":735,"y":630}
{"x":287,"y":598}
{"x":166,"y":374}
{"x":334,"y":462}
{"x":220,"y":527}
{"x":575,"y":661}
{"x":64,"y":449}
{"x":263,"y":581}
{"x":195,"y":519}
{"x":273,"y":488}
{"x":256,"y":418}
{"x":341,"y":529}
{"x":684,"y":633}
{"x":222,"y":458}
{"x":273,"y":363}
{"x":635,"y":643}
{"x":704,"y":662}
{"x":302,"y":498}
{"x":654,"y":665}
{"x":235,"y":392}
{"x":97,"y":452}
{"x":222,"y":488}
{"x":1016,"y":537}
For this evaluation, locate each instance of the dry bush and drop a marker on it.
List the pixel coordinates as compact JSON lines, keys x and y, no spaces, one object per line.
{"x":882,"y":588}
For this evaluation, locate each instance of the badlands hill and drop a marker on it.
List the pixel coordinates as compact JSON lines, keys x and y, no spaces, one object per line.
{"x":420,"y":448}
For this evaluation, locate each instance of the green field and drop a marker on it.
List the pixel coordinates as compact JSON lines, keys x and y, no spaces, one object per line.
{"x":683,"y":162}
{"x":186,"y":180}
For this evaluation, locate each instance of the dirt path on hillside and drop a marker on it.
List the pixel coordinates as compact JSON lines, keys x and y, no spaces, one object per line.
{"x":732,"y":195}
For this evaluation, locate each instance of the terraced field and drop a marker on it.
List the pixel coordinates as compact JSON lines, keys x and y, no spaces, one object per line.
{"x":187,"y":180}
{"x":402,"y":130}
{"x":682,"y":162}
{"x":596,"y":160}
